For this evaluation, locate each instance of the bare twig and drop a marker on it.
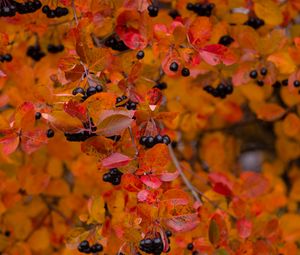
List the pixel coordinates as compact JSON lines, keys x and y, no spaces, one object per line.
{"x":133,"y":142}
{"x":185,"y":180}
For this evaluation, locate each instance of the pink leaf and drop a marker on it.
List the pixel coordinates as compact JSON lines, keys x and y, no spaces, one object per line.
{"x":151,"y":181}
{"x":168,"y":177}
{"x":142,"y":195}
{"x":115,"y":160}
{"x":244,"y":228}
{"x":184,"y":222}
{"x":9,"y":144}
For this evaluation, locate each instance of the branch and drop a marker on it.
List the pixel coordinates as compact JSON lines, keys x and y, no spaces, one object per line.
{"x":185,"y":180}
{"x":133,"y":142}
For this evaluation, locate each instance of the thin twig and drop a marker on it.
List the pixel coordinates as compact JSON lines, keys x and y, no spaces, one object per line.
{"x":185,"y":180}
{"x":74,"y":12}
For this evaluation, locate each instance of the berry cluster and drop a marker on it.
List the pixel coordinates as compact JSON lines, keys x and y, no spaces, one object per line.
{"x":52,"y":48}
{"x":56,"y":13}
{"x":150,"y":141}
{"x":152,"y":10}
{"x":83,"y":135}
{"x":35,"y":52}
{"x":254,"y":22}
{"x":115,"y":44}
{"x":190,"y":247}
{"x":254,"y":74}
{"x":221,"y":91}
{"x":10,"y":8}
{"x":130,"y":105}
{"x":174,"y":68}
{"x":226,"y":40}
{"x":154,"y":245}
{"x":114,"y":176}
{"x":174,"y":14}
{"x":85,"y":247}
{"x":201,"y":9}
{"x":6,"y":58}
{"x":89,"y":92}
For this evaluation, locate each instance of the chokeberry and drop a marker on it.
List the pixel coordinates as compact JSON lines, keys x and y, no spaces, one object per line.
{"x":277,"y":85}
{"x":50,"y":133}
{"x":263,"y":71}
{"x":91,"y":91}
{"x":7,"y":57}
{"x":143,"y":140}
{"x":158,"y":139}
{"x":209,"y":89}
{"x":174,"y":13}
{"x":285,"y":82}
{"x":161,"y":85}
{"x":149,"y":143}
{"x":152,"y":10}
{"x":82,"y":246}
{"x":99,"y":88}
{"x":78,"y":90}
{"x":296,"y":83}
{"x":190,"y":6}
{"x":168,"y":233}
{"x":46,"y":9}
{"x":190,"y":246}
{"x":96,"y":248}
{"x":174,"y":67}
{"x":229,"y":89}
{"x":185,"y":72}
{"x":140,"y":54}
{"x":253,"y":74}
{"x":226,"y":40}
{"x":166,"y":139}
{"x":38,"y":115}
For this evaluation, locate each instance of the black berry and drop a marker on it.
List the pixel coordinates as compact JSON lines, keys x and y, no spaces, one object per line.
{"x":78,"y":90}
{"x":91,"y":91}
{"x":253,"y":74}
{"x":152,"y":10}
{"x":185,"y":72}
{"x":50,"y":133}
{"x":226,"y":40}
{"x":38,"y":115}
{"x":149,"y":143}
{"x":260,"y":83}
{"x":140,"y":54}
{"x":174,"y":67}
{"x":296,"y":83}
{"x":190,"y":246}
{"x":263,"y":71}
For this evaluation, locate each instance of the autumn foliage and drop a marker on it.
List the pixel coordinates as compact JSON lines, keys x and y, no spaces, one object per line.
{"x":149,"y":127}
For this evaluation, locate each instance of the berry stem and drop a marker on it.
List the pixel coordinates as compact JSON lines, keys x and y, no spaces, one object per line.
{"x":185,"y":180}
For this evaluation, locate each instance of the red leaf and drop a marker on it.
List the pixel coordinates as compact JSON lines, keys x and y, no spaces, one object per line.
{"x":151,"y":181}
{"x":221,"y":184}
{"x":9,"y":144}
{"x":76,"y":109}
{"x":131,"y":183}
{"x":214,"y":54}
{"x":168,"y":177}
{"x":254,"y":185}
{"x":244,"y":228}
{"x":142,"y":195}
{"x":115,"y":160}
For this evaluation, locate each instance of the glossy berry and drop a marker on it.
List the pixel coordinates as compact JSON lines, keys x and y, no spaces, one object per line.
{"x":142,"y":140}
{"x":229,"y":89}
{"x":166,"y":139}
{"x":190,"y":6}
{"x":7,"y":57}
{"x":7,"y":233}
{"x":152,"y":10}
{"x":78,"y":90}
{"x":168,"y":233}
{"x":158,"y":139}
{"x":260,"y":83}
{"x":226,"y":40}
{"x":38,"y":115}
{"x":99,"y":88}
{"x":173,"y":14}
{"x":131,"y":105}
{"x":253,"y":74}
{"x":209,"y":89}
{"x":91,"y":91}
{"x":263,"y":71}
{"x":96,"y":248}
{"x":149,"y":143}
{"x":296,"y":83}
{"x":140,"y":54}
{"x":254,"y":22}
{"x":185,"y":72}
{"x":83,"y":246}
{"x":277,"y":85}
{"x":190,"y":246}
{"x":46,"y":9}
{"x":50,"y":133}
{"x":174,"y":67}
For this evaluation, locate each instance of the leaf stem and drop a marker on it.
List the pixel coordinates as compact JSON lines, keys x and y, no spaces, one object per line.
{"x":74,"y":12}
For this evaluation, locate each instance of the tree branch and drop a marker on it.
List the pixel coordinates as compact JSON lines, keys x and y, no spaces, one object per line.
{"x":185,"y":180}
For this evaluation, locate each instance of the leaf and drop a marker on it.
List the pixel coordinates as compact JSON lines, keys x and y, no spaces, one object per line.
{"x":98,"y":146}
{"x":175,"y":197}
{"x":244,"y":228}
{"x":221,"y":184}
{"x":269,"y":111}
{"x":76,"y":110}
{"x":74,"y":237}
{"x":33,"y":140}
{"x":131,"y":183}
{"x":96,"y":209}
{"x":291,"y":125}
{"x":221,"y":252}
{"x":151,"y":181}
{"x":115,"y":160}
{"x":215,"y":54}
{"x":9,"y":144}
{"x":63,"y":121}
{"x":199,"y":32}
{"x":214,"y":232}
{"x":114,"y":122}
{"x":269,"y":11}
{"x":283,"y":62}
{"x":182,"y":223}
{"x":40,"y":239}
{"x":253,"y":185}
{"x":168,"y":177}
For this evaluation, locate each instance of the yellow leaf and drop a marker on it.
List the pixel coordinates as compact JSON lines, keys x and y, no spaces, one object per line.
{"x":268,"y":11}
{"x":283,"y":62}
{"x":40,"y":240}
{"x":268,"y":111}
{"x":291,"y":125}
{"x":96,"y":209}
